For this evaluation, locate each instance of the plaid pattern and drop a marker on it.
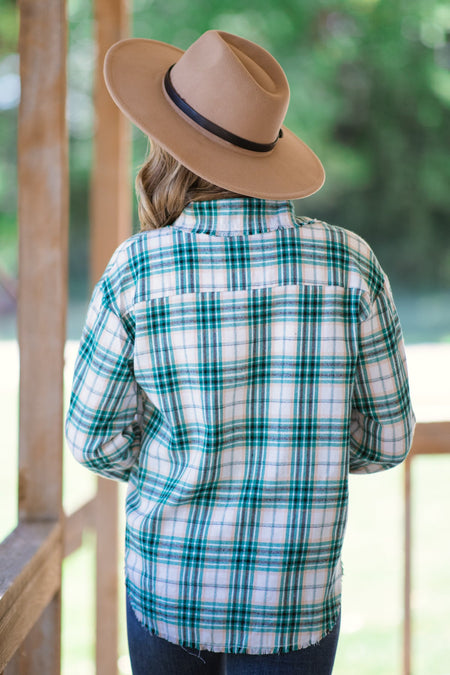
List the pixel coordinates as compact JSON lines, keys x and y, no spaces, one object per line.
{"x":234,"y":367}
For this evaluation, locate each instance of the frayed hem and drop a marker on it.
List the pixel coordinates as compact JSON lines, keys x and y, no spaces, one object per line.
{"x":220,"y":648}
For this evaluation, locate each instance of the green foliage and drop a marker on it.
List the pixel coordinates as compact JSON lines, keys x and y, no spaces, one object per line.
{"x":9,"y":26}
{"x":370,"y":92}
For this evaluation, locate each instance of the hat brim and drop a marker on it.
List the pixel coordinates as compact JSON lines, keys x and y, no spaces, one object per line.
{"x":134,"y":71}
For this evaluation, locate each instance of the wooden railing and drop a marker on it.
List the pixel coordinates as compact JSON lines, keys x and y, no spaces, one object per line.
{"x":429,"y":439}
{"x":31,"y":557}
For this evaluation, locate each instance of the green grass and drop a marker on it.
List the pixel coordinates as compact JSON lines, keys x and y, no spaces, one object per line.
{"x":371,"y":634}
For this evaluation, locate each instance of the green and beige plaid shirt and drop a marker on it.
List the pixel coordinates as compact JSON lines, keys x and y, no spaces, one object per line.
{"x":234,"y":368}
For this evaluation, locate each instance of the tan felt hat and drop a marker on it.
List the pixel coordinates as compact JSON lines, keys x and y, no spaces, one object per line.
{"x":218,"y":108}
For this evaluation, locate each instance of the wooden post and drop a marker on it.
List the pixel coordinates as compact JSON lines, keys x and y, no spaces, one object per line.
{"x":110,"y":224}
{"x":43,"y":224}
{"x":407,"y":570}
{"x":110,"y":202}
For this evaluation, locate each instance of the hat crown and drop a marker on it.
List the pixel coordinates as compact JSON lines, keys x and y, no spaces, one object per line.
{"x":234,"y":83}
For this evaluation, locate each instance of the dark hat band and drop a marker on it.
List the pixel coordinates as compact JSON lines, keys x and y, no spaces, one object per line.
{"x":211,"y":126}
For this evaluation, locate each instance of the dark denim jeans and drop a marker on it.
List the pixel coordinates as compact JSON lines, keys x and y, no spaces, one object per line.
{"x":151,"y":655}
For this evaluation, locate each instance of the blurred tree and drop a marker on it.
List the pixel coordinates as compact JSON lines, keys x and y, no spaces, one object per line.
{"x":397,"y":101}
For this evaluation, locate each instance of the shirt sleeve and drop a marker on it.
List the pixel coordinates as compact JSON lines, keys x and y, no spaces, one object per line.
{"x":103,"y":424}
{"x":382,"y":419}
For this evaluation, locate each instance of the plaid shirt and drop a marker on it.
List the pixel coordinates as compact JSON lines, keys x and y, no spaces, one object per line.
{"x":234,"y":367}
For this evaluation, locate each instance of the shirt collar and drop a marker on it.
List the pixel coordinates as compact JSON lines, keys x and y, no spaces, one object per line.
{"x":243,"y":215}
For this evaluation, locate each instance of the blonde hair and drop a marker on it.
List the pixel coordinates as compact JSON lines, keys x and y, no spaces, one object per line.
{"x":164,"y":187}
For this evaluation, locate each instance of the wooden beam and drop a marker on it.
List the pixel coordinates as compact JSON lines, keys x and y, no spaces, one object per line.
{"x":30,"y":576}
{"x":110,"y":225}
{"x":76,"y":523}
{"x":431,"y":438}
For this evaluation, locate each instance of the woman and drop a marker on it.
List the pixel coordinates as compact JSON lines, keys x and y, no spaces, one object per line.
{"x":236,"y":364}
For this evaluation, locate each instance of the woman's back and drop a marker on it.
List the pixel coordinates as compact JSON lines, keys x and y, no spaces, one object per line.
{"x":253,"y":359}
